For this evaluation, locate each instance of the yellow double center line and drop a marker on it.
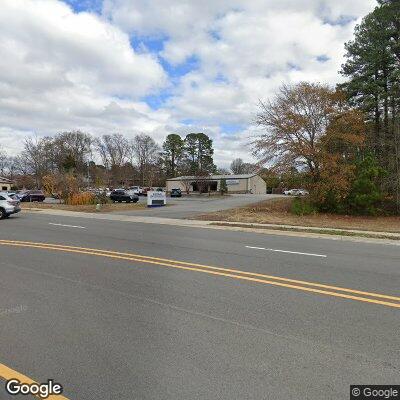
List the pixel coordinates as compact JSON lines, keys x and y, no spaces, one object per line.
{"x":313,"y":287}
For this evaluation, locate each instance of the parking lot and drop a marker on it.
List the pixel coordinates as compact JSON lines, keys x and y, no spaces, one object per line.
{"x":187,"y":207}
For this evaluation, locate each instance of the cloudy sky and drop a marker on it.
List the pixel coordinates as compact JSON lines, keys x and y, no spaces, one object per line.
{"x":161,"y":66}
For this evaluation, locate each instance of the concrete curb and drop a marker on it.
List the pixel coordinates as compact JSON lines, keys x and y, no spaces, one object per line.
{"x":305,"y":234}
{"x":393,"y":235}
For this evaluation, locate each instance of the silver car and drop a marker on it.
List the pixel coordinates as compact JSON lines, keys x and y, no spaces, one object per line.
{"x":8,"y":205}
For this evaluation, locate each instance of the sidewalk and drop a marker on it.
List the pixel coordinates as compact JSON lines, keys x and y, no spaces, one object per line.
{"x":276,"y":229}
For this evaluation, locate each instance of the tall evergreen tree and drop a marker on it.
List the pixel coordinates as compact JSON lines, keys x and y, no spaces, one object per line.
{"x":199,"y":154}
{"x":373,"y":69}
{"x":172,"y":153}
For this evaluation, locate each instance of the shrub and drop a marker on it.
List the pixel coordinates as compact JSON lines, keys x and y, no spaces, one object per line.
{"x":330,"y":191}
{"x":302,"y":207}
{"x":80,"y":199}
{"x":68,"y":187}
{"x":352,"y":188}
{"x":102,"y":198}
{"x":329,"y":202}
{"x":49,"y":183}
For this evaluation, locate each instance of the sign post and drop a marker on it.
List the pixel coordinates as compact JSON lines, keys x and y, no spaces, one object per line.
{"x":156,"y":199}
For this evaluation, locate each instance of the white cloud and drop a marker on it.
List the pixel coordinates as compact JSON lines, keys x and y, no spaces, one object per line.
{"x":253,"y":55}
{"x":246,"y":49}
{"x":50,"y":46}
{"x":63,"y":70}
{"x":60,"y":70}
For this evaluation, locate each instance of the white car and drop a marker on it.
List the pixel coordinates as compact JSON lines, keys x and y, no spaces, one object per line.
{"x":296,"y":192}
{"x":302,"y":192}
{"x":136,"y":189}
{"x":8,"y":205}
{"x":290,"y":192}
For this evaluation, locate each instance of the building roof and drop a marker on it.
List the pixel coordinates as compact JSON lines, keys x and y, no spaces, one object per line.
{"x":212,"y":177}
{"x":4,"y":180}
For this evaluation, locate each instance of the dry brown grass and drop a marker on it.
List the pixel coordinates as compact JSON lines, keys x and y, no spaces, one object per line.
{"x":85,"y":208}
{"x":80,"y":199}
{"x":277,"y":211}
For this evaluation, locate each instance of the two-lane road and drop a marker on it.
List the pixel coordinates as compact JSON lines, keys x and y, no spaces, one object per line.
{"x":117,"y":310}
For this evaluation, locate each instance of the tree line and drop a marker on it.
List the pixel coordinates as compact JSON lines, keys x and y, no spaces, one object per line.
{"x":112,"y":160}
{"x":343,"y":143}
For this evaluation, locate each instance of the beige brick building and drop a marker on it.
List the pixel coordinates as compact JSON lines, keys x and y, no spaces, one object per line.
{"x":247,"y":183}
{"x":5,"y":184}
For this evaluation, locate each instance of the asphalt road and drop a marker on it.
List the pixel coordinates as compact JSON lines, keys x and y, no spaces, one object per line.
{"x":143,"y":322}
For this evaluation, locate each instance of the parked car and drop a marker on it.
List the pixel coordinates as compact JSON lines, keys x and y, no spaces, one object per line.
{"x":13,"y":195}
{"x":302,"y":192}
{"x":120,"y":195}
{"x":8,"y":205}
{"x":290,"y":192}
{"x":31,"y":195}
{"x":136,"y":189}
{"x":296,"y":192}
{"x":176,"y":193}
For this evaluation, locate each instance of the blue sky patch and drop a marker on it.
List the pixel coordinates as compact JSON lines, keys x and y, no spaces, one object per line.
{"x":220,"y":78}
{"x":158,"y":100}
{"x":232,"y":128}
{"x":177,"y":71}
{"x":342,"y":20}
{"x":86,"y":5}
{"x":323,"y":58}
{"x":151,"y":44}
{"x":187,"y":121}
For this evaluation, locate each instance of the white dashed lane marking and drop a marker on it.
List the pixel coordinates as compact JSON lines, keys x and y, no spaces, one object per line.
{"x":287,"y":251}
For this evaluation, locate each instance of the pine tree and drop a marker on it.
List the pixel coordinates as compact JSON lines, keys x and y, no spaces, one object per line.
{"x":199,"y":154}
{"x":373,"y":69}
{"x":173,"y":152}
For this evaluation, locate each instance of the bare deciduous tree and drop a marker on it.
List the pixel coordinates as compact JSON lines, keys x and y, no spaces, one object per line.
{"x":72,"y":151}
{"x":187,"y":184}
{"x":3,"y":162}
{"x":145,"y":151}
{"x":38,"y":159}
{"x":293,"y":122}
{"x":113,"y":150}
{"x":238,"y":166}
